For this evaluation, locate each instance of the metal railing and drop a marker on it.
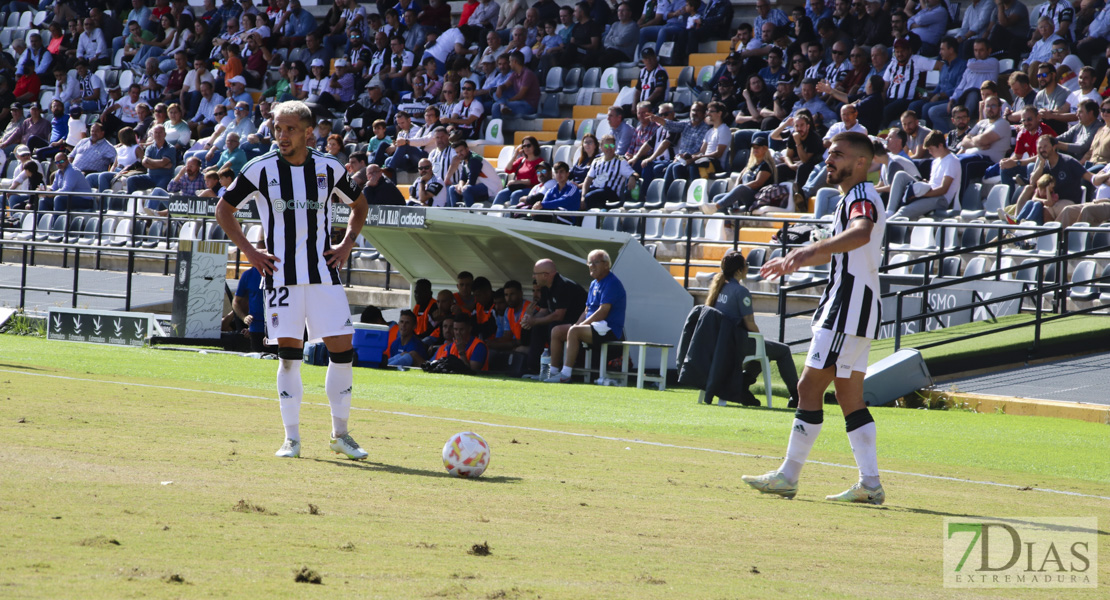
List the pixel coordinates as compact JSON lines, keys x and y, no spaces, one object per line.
{"x":688,"y":232}
{"x":136,"y":244}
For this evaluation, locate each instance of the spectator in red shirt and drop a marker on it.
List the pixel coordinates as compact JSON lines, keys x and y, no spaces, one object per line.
{"x":27,"y":87}
{"x":1025,"y":149}
{"x":523,"y":170}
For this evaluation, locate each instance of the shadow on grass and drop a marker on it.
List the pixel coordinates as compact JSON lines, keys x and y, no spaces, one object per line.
{"x":20,"y":367}
{"x":398,"y":470}
{"x":940,"y":513}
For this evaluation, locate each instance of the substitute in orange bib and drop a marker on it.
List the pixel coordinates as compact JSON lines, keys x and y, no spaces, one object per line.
{"x":466,"y":346}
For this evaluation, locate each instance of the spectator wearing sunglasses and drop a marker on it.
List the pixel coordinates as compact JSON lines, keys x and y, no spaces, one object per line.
{"x":427,"y":190}
{"x":67,"y":179}
{"x":522,"y":171}
{"x":608,"y":177}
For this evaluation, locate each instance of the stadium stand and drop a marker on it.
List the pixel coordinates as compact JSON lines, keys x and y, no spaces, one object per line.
{"x":362,"y":64}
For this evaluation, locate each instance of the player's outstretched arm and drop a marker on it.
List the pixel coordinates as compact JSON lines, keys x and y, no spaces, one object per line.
{"x":819,"y":253}
{"x":337,"y":256}
{"x":225,"y":216}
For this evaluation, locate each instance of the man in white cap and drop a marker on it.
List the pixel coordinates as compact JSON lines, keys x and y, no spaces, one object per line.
{"x":237,"y":92}
{"x":341,"y":88}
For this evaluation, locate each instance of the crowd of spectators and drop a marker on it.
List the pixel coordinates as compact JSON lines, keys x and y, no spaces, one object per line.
{"x":414,"y":85}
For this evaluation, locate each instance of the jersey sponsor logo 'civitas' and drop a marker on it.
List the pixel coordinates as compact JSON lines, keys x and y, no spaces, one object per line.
{"x":284,"y":205}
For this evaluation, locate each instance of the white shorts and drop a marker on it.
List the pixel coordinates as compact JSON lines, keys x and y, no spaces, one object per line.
{"x":323,"y":308}
{"x":846,"y":352}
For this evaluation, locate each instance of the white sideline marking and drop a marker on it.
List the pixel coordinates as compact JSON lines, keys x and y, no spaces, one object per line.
{"x":567,"y":433}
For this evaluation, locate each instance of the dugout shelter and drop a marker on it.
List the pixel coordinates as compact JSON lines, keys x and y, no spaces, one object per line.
{"x":437,"y":244}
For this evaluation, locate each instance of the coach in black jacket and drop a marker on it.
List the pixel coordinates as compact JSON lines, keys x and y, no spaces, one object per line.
{"x":710,"y":352}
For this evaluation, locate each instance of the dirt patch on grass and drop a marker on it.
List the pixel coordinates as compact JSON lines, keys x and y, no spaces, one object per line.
{"x":650,"y":579}
{"x":451,"y":591}
{"x":348,"y":547}
{"x":247,"y":507}
{"x":482,"y":549}
{"x":99,"y":541}
{"x":173,"y":578}
{"x":307,"y":575}
{"x":513,"y":594}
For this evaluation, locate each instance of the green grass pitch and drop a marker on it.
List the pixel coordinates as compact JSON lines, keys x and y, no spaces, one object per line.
{"x":133,"y":473}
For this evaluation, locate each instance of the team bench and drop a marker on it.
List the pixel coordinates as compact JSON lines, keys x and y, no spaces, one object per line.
{"x":641,"y":363}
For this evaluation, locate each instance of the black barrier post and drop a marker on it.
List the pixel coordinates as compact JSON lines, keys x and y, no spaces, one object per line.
{"x":76,"y":274}
{"x":130,"y":271}
{"x":23,"y":279}
{"x":65,"y":236}
{"x":689,"y":243}
{"x":34,"y":233}
{"x":736,"y":234}
{"x":782,"y":294}
{"x":1059,"y":297}
{"x":168,"y":234}
{"x":998,"y":253}
{"x":388,"y":269}
{"x":134,"y":226}
{"x":898,"y":322}
{"x":100,"y":232}
{"x":1040,"y":300}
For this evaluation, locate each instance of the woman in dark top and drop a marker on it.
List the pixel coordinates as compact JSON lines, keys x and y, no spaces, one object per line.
{"x":729,"y":296}
{"x":200,"y":46}
{"x":756,"y":98}
{"x":759,"y":172}
{"x":870,"y":106}
{"x":590,"y":150}
{"x":803,"y":147}
{"x":804,"y":35}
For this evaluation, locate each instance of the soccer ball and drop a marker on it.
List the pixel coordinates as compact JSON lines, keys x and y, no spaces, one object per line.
{"x":466,"y":455}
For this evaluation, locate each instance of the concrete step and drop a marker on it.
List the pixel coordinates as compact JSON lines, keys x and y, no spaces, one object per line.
{"x":592,"y":111}
{"x":700,"y":60}
{"x":708,"y":251}
{"x":543,"y":136}
{"x":677,"y":268}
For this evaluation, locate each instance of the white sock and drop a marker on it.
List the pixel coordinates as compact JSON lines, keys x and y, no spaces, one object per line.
{"x":338,"y":381}
{"x":567,"y":371}
{"x":863,"y":448}
{"x":802,"y":436}
{"x":290,"y":391}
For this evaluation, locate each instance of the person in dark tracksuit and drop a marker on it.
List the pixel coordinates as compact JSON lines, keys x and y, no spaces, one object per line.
{"x":729,"y":296}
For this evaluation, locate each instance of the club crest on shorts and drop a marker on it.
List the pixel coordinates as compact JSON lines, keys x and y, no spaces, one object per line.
{"x":273,"y":320}
{"x":321,"y":180}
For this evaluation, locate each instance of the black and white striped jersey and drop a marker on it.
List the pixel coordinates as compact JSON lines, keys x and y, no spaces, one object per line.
{"x":850,"y":303}
{"x":834,"y":73}
{"x":902,"y":79}
{"x":649,"y":80}
{"x":816,"y":71}
{"x":441,"y":162}
{"x":610,"y":174}
{"x":462,"y":110}
{"x":293,"y":204}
